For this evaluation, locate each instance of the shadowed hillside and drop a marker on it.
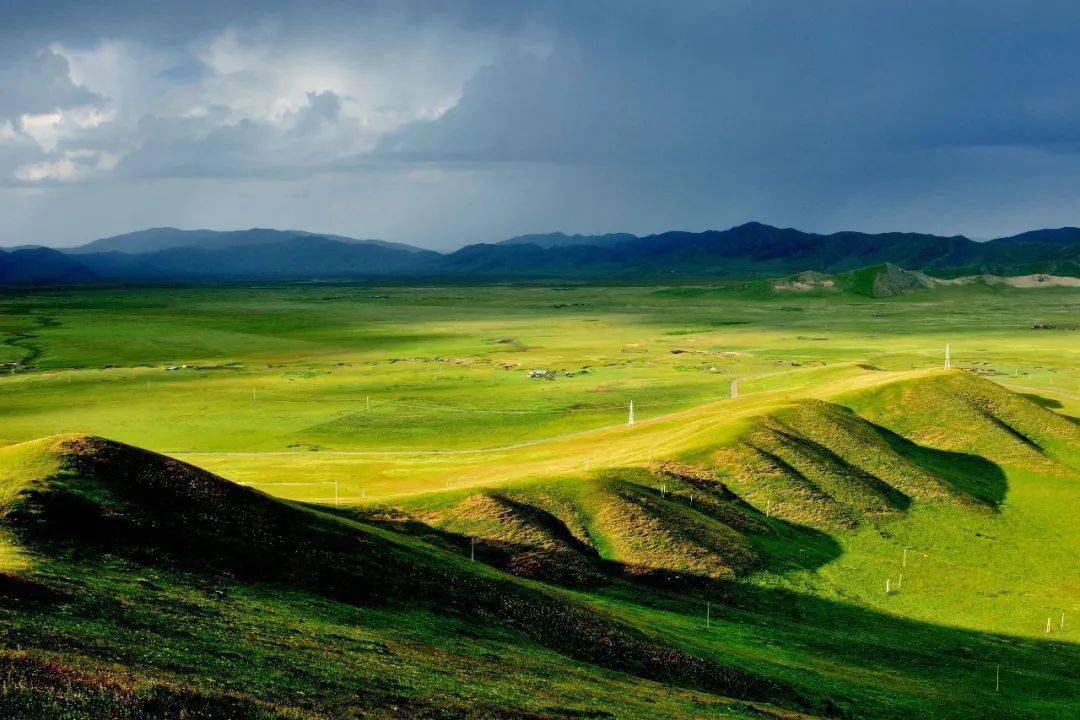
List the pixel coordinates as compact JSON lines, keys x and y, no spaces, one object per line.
{"x":88,"y":499}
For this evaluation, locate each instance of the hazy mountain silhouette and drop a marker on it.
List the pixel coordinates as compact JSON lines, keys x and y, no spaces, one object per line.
{"x":749,"y":250}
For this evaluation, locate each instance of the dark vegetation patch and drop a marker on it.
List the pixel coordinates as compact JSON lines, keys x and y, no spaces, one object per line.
{"x":18,"y":591}
{"x":45,"y":689}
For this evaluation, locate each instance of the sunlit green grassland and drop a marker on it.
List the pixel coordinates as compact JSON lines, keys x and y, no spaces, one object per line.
{"x":418,"y":396}
{"x":415,"y":368}
{"x":304,"y":372}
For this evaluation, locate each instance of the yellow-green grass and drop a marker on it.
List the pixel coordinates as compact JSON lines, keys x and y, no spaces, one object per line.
{"x":1007,"y":571}
{"x":147,"y":607}
{"x":380,"y":475}
{"x":430,"y":360}
{"x":919,"y":469}
{"x":454,"y":439}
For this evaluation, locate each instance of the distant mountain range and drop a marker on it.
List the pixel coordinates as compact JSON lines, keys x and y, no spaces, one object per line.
{"x":558,"y":239}
{"x":750,"y":250}
{"x":154,"y":239}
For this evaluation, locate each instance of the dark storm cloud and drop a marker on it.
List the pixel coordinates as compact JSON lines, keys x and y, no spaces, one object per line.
{"x":39,"y":82}
{"x":451,"y":122}
{"x":765,"y":80}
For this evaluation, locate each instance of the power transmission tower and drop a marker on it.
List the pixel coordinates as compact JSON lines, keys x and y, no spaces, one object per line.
{"x":948,"y":362}
{"x":630,"y":418}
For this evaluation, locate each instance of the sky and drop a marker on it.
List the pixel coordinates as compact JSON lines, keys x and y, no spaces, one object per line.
{"x":446,"y":123}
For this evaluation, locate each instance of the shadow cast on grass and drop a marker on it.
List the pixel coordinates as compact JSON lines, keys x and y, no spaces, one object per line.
{"x":973,"y":475}
{"x":861,"y":646}
{"x":864,"y":662}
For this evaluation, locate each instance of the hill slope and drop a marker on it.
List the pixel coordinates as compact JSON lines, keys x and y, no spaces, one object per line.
{"x":135,"y":585}
{"x":72,"y":505}
{"x":814,"y":464}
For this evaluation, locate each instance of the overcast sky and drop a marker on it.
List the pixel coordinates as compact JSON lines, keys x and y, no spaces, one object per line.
{"x":441,"y":124}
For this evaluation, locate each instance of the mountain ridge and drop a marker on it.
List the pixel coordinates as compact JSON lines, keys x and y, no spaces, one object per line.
{"x":752,"y":249}
{"x":164,"y":238}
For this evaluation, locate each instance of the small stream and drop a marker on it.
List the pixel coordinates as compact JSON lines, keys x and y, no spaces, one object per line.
{"x":23,"y":339}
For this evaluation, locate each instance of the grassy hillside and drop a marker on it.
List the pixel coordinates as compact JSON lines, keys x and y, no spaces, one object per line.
{"x":115,"y":557}
{"x":421,"y":530}
{"x":103,"y":528}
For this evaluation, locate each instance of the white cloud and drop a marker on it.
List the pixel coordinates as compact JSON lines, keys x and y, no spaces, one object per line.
{"x":70,"y":166}
{"x":49,"y":129}
{"x":7,"y":132}
{"x":239,"y":101}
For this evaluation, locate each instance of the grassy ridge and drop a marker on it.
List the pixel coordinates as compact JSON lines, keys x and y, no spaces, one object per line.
{"x":103,"y":497}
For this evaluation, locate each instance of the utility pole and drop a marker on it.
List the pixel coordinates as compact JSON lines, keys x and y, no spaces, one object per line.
{"x":708,"y":615}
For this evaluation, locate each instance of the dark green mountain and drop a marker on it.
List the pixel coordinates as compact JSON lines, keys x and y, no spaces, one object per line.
{"x":164,"y":238}
{"x":559,"y":239}
{"x":28,"y":266}
{"x":755,"y":249}
{"x":750,"y":250}
{"x":298,"y":257}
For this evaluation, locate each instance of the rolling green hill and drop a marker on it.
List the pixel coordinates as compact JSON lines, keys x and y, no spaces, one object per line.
{"x":335,"y":456}
{"x":91,"y":526}
{"x":729,"y":579}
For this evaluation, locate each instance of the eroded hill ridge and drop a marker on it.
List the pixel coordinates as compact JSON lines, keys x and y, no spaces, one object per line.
{"x":815,"y":467}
